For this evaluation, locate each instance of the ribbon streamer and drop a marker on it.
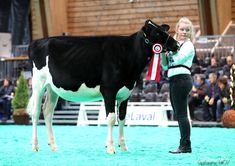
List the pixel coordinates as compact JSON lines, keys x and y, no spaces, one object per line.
{"x":155,"y":65}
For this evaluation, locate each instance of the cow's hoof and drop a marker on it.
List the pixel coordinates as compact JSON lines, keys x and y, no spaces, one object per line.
{"x":123,"y":146}
{"x":110,"y":149}
{"x":35,"y":148}
{"x":53,"y":146}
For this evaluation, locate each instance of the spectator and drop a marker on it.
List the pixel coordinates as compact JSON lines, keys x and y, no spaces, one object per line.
{"x":197,"y":94}
{"x":227,"y":67}
{"x":29,"y":81}
{"x":6,"y":94}
{"x":210,"y":101}
{"x":223,"y":102}
{"x":212,"y":68}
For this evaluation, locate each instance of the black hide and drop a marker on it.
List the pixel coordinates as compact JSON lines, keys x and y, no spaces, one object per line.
{"x":109,"y":61}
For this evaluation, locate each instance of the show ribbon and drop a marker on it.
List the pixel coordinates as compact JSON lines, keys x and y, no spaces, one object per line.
{"x":155,"y":65}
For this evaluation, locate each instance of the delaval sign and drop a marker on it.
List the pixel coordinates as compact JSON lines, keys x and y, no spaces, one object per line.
{"x":145,"y":116}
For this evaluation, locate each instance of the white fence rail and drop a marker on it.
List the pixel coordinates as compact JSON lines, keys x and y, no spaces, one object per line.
{"x":138,"y":113}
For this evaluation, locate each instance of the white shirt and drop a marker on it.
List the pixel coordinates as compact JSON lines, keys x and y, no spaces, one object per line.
{"x":183,"y":57}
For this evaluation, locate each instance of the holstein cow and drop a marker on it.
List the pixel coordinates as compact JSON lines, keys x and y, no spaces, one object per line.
{"x":90,"y":69}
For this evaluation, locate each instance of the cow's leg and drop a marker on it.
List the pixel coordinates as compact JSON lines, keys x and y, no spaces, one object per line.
{"x":121,"y":123}
{"x":109,"y":100}
{"x":48,"y":110}
{"x":34,"y":108}
{"x":111,"y":119}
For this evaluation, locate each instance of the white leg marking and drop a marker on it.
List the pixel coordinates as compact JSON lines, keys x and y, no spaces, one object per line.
{"x":35,"y":116}
{"x":111,"y":119}
{"x":48,"y":110}
{"x":35,"y":106}
{"x":122,"y":145}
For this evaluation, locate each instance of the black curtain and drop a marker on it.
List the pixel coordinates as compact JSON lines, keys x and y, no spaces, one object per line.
{"x":14,"y":16}
{"x":5,"y":8}
{"x":20,"y":21}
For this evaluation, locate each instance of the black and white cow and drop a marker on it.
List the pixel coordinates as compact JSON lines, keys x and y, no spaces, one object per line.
{"x":90,"y":69}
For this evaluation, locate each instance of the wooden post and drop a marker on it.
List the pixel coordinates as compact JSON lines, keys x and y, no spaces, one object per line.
{"x":215,"y":15}
{"x":49,"y":18}
{"x":56,"y":16}
{"x":37,"y":31}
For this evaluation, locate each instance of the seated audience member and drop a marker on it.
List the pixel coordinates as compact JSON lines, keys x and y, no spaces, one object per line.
{"x":227,"y":67}
{"x":212,"y":68}
{"x":209,"y":103}
{"x":223,"y":103}
{"x":29,"y":81}
{"x":6,"y":94}
{"x":197,"y":94}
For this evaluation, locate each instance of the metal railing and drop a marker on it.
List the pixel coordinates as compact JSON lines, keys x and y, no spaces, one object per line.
{"x":10,"y":67}
{"x":215,"y":46}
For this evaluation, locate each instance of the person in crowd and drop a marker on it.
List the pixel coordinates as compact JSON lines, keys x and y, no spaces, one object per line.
{"x":209,"y":104}
{"x":180,"y":82}
{"x":197,"y":94}
{"x":227,"y":67}
{"x":212,"y":68}
{"x":223,"y":103}
{"x":6,"y":94}
{"x":29,"y":81}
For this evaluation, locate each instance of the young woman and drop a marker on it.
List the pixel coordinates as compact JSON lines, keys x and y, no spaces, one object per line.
{"x":178,"y":66}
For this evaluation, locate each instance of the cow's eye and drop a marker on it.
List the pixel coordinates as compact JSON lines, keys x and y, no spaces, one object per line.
{"x":157,"y":33}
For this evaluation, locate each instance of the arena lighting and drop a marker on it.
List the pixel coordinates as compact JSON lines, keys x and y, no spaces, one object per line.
{"x":2,"y":59}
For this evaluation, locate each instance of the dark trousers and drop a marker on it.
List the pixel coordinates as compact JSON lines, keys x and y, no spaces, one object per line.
{"x":5,"y":107}
{"x":180,"y":87}
{"x":209,"y":111}
{"x":193,"y":104}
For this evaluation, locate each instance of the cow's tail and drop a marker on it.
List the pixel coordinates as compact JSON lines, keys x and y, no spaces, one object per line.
{"x":30,"y":105}
{"x":37,"y":52}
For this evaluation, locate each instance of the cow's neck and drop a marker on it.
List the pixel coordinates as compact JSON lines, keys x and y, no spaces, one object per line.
{"x":143,"y":51}
{"x":140,"y":57}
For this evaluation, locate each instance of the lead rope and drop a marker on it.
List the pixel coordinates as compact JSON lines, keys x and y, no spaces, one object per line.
{"x":231,"y":89}
{"x":164,"y":46}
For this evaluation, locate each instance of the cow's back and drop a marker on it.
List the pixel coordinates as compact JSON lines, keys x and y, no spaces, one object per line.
{"x":73,"y":61}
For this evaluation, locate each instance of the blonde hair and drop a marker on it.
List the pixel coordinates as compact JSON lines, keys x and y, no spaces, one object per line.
{"x":186,"y":21}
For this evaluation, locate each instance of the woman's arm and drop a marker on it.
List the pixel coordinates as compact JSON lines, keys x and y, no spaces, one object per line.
{"x":185,"y":53}
{"x":164,"y":62}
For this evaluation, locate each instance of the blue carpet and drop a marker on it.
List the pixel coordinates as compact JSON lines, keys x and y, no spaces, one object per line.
{"x":84,"y":146}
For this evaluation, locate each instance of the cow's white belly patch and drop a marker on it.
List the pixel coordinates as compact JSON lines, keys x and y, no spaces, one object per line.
{"x":84,"y":94}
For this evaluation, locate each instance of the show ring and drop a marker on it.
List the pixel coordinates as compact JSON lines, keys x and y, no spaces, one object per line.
{"x":228,"y":119}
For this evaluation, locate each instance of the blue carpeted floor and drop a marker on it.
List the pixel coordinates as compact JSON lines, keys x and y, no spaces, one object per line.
{"x":85,"y":146}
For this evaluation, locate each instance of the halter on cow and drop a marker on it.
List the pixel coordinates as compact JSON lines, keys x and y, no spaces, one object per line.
{"x":90,"y":69}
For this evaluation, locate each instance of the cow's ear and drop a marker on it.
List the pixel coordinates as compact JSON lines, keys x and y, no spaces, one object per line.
{"x":165,"y":27}
{"x":147,"y":22}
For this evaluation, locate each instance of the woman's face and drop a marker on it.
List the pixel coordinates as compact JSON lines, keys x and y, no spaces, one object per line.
{"x":221,"y":86}
{"x":183,"y":31}
{"x":5,"y":82}
{"x":212,"y":79}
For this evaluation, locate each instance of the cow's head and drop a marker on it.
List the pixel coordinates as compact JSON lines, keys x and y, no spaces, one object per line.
{"x":154,"y":33}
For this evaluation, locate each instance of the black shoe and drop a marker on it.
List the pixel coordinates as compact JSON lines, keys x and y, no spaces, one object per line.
{"x":182,"y":149}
